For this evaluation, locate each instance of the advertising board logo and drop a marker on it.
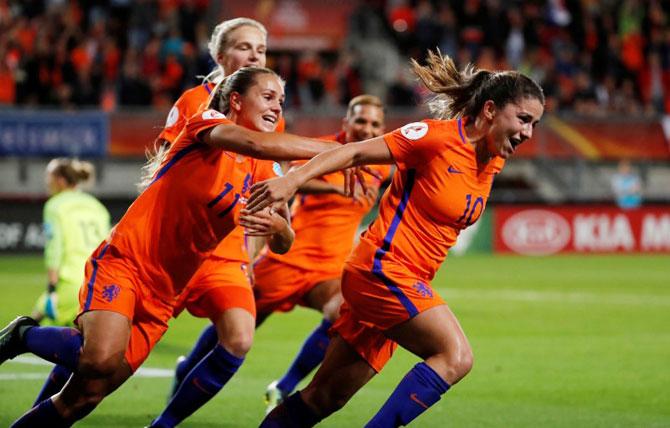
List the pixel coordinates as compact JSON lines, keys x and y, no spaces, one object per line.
{"x":536,"y":232}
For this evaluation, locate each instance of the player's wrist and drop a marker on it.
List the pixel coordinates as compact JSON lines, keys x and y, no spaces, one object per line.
{"x":294,"y":180}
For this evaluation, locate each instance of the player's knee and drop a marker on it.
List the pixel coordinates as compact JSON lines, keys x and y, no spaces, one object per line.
{"x":90,"y":400}
{"x":82,"y":403}
{"x":99,"y":364}
{"x":459,"y":363}
{"x":239,"y":344}
{"x":337,"y":401}
{"x":327,"y":400}
{"x":331,"y":310}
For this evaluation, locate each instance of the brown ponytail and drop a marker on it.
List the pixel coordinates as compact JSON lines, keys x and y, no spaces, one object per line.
{"x":462,"y":93}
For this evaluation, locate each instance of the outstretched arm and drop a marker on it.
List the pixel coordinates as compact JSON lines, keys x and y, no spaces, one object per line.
{"x":280,"y":190}
{"x":264,"y":145}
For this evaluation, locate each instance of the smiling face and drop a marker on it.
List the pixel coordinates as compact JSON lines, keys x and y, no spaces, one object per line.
{"x":366,"y":121}
{"x":511,"y":125}
{"x":260,"y":107}
{"x":246,"y":46}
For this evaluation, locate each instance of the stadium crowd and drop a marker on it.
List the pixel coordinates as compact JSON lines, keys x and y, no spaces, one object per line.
{"x":592,"y":57}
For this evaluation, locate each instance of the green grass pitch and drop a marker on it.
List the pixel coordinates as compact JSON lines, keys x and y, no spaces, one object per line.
{"x":559,"y":342}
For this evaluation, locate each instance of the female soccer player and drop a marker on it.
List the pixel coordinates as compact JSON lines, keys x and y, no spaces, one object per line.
{"x":445,"y":171}
{"x":74,"y":223}
{"x":133,"y":278}
{"x":235,"y":43}
{"x":221,"y":289}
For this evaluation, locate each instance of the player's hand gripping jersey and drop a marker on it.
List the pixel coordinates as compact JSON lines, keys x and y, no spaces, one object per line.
{"x":191,"y":205}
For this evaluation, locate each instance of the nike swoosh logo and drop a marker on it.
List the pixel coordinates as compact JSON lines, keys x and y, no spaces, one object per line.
{"x":198,"y":385}
{"x":415,"y":398}
{"x":453,"y":170}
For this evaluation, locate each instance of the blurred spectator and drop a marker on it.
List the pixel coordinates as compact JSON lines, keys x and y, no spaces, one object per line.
{"x":310,"y":79}
{"x":655,"y":84}
{"x":134,"y":90}
{"x":585,"y":100}
{"x":627,"y":187}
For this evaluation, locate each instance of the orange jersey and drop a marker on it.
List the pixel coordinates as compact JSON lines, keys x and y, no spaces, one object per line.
{"x":438,"y":190}
{"x":191,"y":205}
{"x":233,"y":247}
{"x":325,"y":224}
{"x":190,"y":102}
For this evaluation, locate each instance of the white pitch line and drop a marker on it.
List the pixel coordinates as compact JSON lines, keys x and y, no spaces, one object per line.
{"x":22,"y":376}
{"x":555,"y":296}
{"x":148,"y":372}
{"x":29,"y":359}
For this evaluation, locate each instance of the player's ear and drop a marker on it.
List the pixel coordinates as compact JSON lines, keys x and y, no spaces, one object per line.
{"x":489,"y":109}
{"x":344,"y":123}
{"x":235,"y":101}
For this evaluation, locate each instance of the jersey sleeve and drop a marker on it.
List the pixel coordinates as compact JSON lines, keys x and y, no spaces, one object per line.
{"x":53,"y":232}
{"x":176,"y":119}
{"x":414,"y":144}
{"x":204,"y":120}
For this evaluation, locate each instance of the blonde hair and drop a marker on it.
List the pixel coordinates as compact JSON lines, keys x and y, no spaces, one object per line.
{"x":239,"y":82}
{"x":219,"y":42}
{"x":462,"y":93}
{"x":364,"y":100}
{"x":73,"y":171}
{"x":155,"y":157}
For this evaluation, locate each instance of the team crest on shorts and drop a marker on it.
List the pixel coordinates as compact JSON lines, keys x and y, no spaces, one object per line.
{"x":423,"y":289}
{"x":110,"y":292}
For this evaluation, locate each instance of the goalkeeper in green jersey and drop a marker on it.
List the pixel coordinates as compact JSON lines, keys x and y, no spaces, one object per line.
{"x":74,"y":224}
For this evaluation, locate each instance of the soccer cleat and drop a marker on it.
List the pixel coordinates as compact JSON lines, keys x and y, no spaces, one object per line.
{"x":176,"y":379}
{"x":11,"y":338}
{"x":273,"y":396}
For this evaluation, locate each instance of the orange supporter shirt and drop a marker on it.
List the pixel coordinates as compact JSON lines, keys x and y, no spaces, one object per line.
{"x":438,"y":190}
{"x":191,"y":205}
{"x":325,"y":224}
{"x":233,"y":247}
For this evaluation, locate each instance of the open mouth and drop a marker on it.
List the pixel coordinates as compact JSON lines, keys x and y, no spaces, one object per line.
{"x":271,"y":119}
{"x":515,"y":142}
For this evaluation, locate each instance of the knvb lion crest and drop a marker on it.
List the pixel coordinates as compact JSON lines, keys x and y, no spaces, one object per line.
{"x":110,"y":292}
{"x":424,"y":289}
